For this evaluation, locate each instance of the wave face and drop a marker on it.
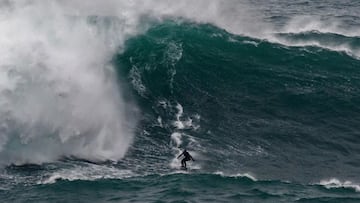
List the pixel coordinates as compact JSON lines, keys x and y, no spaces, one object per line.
{"x":104,"y":96}
{"x":253,"y":98}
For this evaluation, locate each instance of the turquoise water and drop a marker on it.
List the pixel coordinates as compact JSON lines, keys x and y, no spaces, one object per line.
{"x":263,"y":95}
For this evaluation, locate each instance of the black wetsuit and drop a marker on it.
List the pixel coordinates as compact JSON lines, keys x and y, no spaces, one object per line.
{"x":187,"y":157}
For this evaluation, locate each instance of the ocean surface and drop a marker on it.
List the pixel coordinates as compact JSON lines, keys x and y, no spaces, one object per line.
{"x":98,"y":98}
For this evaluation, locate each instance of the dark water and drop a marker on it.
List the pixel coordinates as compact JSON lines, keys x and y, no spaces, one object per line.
{"x":267,"y":119}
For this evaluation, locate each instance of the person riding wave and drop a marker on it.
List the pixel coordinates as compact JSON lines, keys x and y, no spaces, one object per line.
{"x":187,"y":157}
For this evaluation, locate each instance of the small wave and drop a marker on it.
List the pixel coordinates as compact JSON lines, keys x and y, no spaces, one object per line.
{"x":313,"y":31}
{"x":301,"y":24}
{"x":355,"y":53}
{"x":335,"y":183}
{"x":246,"y":175}
{"x":90,"y":173}
{"x":251,"y":42}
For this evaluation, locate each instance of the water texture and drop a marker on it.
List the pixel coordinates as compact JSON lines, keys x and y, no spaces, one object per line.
{"x":98,"y":98}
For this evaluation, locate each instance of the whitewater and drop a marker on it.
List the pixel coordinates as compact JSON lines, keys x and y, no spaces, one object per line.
{"x":98,"y":98}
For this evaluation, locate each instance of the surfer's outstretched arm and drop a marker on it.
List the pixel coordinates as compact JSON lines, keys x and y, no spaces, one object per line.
{"x":180,"y":155}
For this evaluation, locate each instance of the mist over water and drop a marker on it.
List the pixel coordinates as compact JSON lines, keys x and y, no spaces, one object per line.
{"x":59,"y":93}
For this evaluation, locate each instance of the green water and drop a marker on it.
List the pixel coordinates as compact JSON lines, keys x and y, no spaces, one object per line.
{"x":269,"y":116}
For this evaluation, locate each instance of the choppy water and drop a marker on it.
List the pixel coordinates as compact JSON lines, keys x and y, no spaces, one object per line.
{"x":99,"y":98}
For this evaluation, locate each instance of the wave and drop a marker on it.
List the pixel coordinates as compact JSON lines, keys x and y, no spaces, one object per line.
{"x":98,"y":172}
{"x":237,"y":17}
{"x":241,"y":175}
{"x":65,"y":75}
{"x":246,"y":185}
{"x":111,"y":92}
{"x":234,"y":97}
{"x":304,"y":24}
{"x":86,"y":173}
{"x":336,"y":183}
{"x":72,"y":71}
{"x":113,"y":181}
{"x":330,"y":41}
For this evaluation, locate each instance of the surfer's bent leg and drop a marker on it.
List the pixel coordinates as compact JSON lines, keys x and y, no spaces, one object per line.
{"x":183,"y":162}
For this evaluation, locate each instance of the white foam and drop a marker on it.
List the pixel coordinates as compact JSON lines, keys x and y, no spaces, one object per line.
{"x":180,"y":111}
{"x":90,"y":173}
{"x":58,"y":93}
{"x":185,"y":123}
{"x":303,"y":24}
{"x":178,"y":123}
{"x":251,"y":42}
{"x":247,"y":175}
{"x":175,"y":162}
{"x":176,"y":138}
{"x":238,"y":17}
{"x":172,"y":56}
{"x":159,"y":120}
{"x":136,"y":81}
{"x":336,"y":183}
{"x":343,"y":47}
{"x":179,"y":137}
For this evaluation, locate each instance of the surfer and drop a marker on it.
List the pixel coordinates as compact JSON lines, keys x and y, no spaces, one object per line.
{"x":187,"y":157}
